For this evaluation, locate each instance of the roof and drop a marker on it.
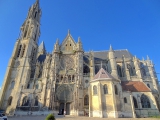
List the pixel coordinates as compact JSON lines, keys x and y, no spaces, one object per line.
{"x":104,"y":54}
{"x":102,"y":74}
{"x":41,"y":47}
{"x":134,"y":86}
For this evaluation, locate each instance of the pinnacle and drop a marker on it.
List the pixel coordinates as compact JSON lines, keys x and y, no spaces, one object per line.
{"x":111,"y":49}
{"x":79,"y":40}
{"x":68,"y":32}
{"x":57,"y":41}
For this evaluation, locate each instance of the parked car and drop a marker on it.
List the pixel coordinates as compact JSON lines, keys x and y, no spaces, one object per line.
{"x":3,"y":116}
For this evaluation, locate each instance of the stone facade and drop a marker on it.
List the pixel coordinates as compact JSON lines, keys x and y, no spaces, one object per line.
{"x":110,"y":83}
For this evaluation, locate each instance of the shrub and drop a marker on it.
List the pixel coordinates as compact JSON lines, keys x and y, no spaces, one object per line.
{"x":50,"y":117}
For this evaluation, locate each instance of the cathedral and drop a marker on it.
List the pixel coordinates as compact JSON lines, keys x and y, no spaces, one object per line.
{"x":105,"y":84}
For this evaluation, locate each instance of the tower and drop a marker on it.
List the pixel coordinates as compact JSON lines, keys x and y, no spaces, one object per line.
{"x":22,"y":59}
{"x":113,"y":63}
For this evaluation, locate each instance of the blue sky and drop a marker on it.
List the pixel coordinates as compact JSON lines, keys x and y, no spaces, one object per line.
{"x":126,"y":24}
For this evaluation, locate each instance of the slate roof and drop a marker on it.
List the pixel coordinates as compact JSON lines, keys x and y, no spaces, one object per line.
{"x":134,"y":86}
{"x":102,"y":74}
{"x":104,"y":54}
{"x":41,"y":47}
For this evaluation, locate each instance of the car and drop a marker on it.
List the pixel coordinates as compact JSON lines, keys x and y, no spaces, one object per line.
{"x":3,"y":116}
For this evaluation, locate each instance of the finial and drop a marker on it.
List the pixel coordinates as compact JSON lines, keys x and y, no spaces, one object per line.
{"x":148,"y":57}
{"x":68,"y":32}
{"x":111,"y":49}
{"x":143,"y":58}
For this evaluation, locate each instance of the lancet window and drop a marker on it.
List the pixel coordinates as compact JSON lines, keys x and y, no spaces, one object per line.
{"x":25,"y":101}
{"x":23,"y":51}
{"x":36,"y":101}
{"x":135,"y":102}
{"x":116,"y":90}
{"x":125,"y":100}
{"x":119,"y":69}
{"x":19,"y":50}
{"x":145,"y":102}
{"x":86,"y":100}
{"x":105,"y":89}
{"x":9,"y":100}
{"x":130,"y":70}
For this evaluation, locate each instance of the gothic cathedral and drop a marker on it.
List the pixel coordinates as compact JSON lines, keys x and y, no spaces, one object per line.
{"x":106,"y":84}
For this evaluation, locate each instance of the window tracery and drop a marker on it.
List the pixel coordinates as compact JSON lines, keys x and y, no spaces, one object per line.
{"x":145,"y":102}
{"x":25,"y":101}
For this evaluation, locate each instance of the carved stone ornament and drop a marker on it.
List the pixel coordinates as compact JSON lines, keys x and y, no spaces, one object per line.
{"x":67,"y":62}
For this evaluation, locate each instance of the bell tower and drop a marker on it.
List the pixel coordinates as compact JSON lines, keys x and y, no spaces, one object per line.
{"x":22,"y":60}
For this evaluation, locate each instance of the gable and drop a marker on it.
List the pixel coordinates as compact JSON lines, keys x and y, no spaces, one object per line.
{"x":68,"y":44}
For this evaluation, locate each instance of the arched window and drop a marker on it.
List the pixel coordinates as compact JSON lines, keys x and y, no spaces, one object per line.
{"x":12,"y":84}
{"x":35,"y":15}
{"x":73,"y":78}
{"x":36,"y":101}
{"x":116,"y":90}
{"x":119,"y":70}
{"x":19,"y":50}
{"x":86,"y":69}
{"x":130,"y":70}
{"x":86,"y":100}
{"x":26,"y":29}
{"x":24,"y":47}
{"x":125,"y":100}
{"x":94,"y":90}
{"x":105,"y":89}
{"x":25,"y":101}
{"x":148,"y":85}
{"x":9,"y":100}
{"x":145,"y":102}
{"x":135,"y":102}
{"x":28,"y":86}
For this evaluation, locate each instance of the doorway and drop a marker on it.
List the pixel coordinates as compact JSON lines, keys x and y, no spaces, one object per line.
{"x":62,"y":107}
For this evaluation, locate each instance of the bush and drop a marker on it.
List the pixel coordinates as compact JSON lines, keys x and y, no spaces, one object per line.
{"x":50,"y":117}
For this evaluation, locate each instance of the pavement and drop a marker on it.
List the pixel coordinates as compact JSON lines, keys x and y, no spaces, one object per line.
{"x":69,"y":117}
